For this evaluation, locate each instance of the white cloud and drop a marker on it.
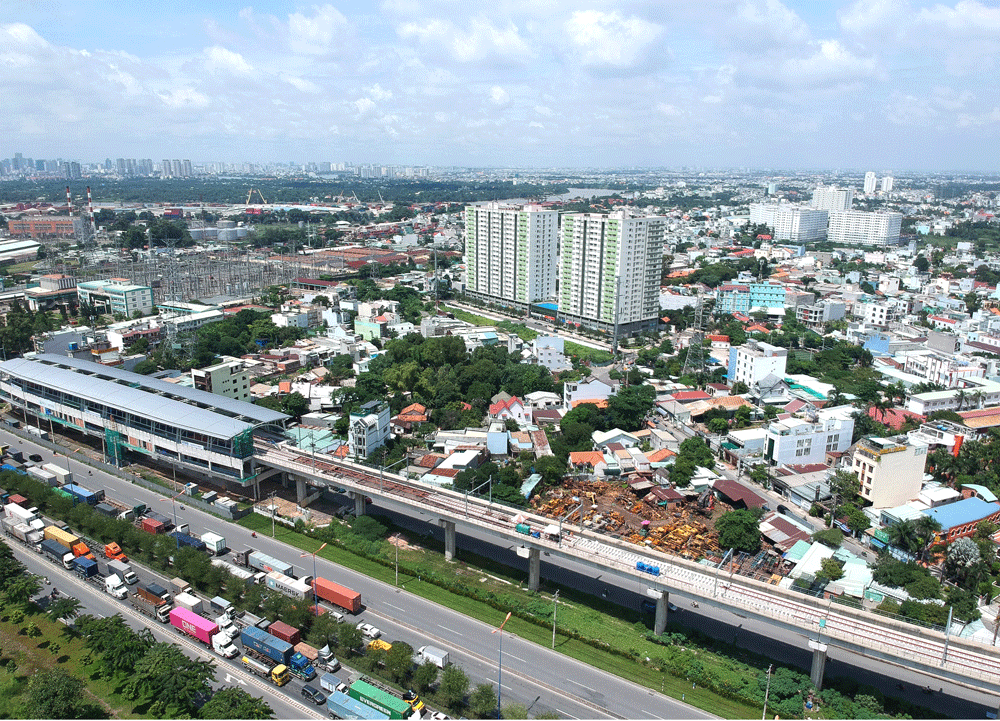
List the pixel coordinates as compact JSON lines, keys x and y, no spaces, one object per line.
{"x":218,"y":59}
{"x":377,"y":93}
{"x":303,"y":85}
{"x":671,"y":111}
{"x":543,"y":110}
{"x":364,"y":105}
{"x":763,"y":25}
{"x":712,"y":99}
{"x":184,"y":98}
{"x":609,"y":39}
{"x":830,"y":64}
{"x":316,"y":35}
{"x":477,"y":40}
{"x":535,"y":124}
{"x":499,"y":96}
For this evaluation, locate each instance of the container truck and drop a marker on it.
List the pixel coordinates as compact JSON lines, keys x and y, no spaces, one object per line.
{"x":114,"y":552}
{"x":84,"y":495}
{"x":40,"y":474}
{"x":338,"y":595}
{"x":159,"y":591}
{"x":227,"y":626}
{"x":62,"y":474}
{"x":124,"y":571}
{"x":186,"y":539}
{"x":203,"y":630}
{"x":106,"y":510}
{"x":179,"y":585}
{"x":340,"y":705}
{"x":152,"y":525}
{"x":240,"y":573}
{"x":262,"y":562}
{"x":214,"y":543}
{"x":263,"y":645}
{"x":433,"y":654}
{"x":85,"y":567}
{"x":282,"y":630}
{"x":148,"y":603}
{"x":221,"y":606}
{"x":384,"y":699}
{"x":114,"y":585}
{"x":71,"y":542}
{"x":330,"y":683}
{"x":291,"y":587}
{"x":319,"y":658}
{"x":189,"y":601}
{"x":22,"y":532}
{"x":278,"y":675}
{"x":58,"y":553}
{"x":20,"y":514}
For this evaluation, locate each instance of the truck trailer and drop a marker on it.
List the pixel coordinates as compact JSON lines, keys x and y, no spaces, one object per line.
{"x":383,"y":699}
{"x":340,"y":705}
{"x":149,"y":604}
{"x":278,"y":675}
{"x":123,"y":571}
{"x":288,"y":586}
{"x":22,"y":532}
{"x":262,"y":562}
{"x":263,"y":645}
{"x":71,"y":542}
{"x":338,"y":595}
{"x":58,"y":553}
{"x":190,"y":602}
{"x":214,"y":543}
{"x":240,"y":573}
{"x":85,"y":567}
{"x":433,"y":654}
{"x":203,"y":630}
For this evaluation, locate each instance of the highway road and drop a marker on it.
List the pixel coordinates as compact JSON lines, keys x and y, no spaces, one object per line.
{"x":533,"y":675}
{"x":285,"y":702}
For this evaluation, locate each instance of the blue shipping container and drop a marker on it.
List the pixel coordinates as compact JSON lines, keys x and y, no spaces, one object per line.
{"x":262,"y":642}
{"x":187,"y":540}
{"x":85,"y":567}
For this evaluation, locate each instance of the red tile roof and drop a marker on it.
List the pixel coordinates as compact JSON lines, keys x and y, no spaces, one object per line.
{"x":894,"y":417}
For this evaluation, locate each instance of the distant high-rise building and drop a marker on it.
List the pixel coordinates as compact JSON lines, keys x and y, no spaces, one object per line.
{"x":511,"y":252}
{"x":186,"y":169}
{"x":832,"y":198}
{"x":870,"y":182}
{"x":887,"y":184}
{"x":860,"y":228}
{"x":165,"y":169}
{"x":610,"y":270}
{"x":791,"y":222}
{"x":772,"y":188}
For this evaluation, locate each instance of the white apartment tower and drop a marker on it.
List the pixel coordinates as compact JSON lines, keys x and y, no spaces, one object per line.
{"x":887,"y":184}
{"x":861,"y":228}
{"x":791,"y":222}
{"x":870,"y":181}
{"x":610,"y":270}
{"x":511,"y":253}
{"x":832,"y":198}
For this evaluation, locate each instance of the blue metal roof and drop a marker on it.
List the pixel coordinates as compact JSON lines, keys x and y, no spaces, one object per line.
{"x":959,"y":513}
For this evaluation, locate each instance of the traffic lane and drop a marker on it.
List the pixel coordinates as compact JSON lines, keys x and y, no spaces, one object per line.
{"x":96,"y":602}
{"x":783,"y":645}
{"x":239,"y":538}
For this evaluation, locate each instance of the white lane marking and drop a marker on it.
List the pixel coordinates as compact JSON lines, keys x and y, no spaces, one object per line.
{"x":231,"y":679}
{"x":560,"y":711}
{"x":579,"y":684}
{"x":447,"y":629}
{"x":395,"y":607}
{"x":516,"y":658}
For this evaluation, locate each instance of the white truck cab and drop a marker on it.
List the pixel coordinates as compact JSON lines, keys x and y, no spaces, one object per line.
{"x":222,"y":644}
{"x":114,"y":585}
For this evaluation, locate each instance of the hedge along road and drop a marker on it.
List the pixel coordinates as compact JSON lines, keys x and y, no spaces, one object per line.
{"x":566,"y":686}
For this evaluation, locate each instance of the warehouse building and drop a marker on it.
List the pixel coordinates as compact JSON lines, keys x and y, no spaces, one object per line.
{"x":200,"y":432}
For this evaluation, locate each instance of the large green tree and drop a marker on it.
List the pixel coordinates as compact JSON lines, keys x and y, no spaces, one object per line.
{"x":55,"y":694}
{"x":740,"y":530}
{"x":170,"y":680}
{"x":235,"y":703}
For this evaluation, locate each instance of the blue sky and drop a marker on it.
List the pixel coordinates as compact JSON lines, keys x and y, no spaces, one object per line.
{"x":886,"y":85}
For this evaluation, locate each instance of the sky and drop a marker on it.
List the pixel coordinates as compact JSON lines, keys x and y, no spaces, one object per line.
{"x":883,"y":85}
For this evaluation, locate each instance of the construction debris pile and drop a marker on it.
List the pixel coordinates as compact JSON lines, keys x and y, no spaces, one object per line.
{"x":683,"y":527}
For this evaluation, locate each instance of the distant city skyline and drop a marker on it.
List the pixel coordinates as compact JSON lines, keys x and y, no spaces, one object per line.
{"x":883,"y":85}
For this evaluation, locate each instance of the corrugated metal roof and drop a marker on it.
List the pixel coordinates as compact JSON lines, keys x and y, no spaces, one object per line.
{"x":186,"y":408}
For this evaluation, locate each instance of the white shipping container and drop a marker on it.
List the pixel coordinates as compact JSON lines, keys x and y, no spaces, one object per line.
{"x":19,"y":514}
{"x":214,"y":543}
{"x":62,"y":474}
{"x":191,"y":603}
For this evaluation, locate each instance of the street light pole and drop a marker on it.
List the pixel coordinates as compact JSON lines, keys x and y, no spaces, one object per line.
{"x":272,"y":514}
{"x":302,"y":555}
{"x":555,"y":607}
{"x":500,"y":667}
{"x":767,"y":691}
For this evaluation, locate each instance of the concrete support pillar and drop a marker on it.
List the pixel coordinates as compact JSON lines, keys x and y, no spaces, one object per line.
{"x":660,"y":624}
{"x":360,"y":505}
{"x":284,"y":479}
{"x":818,"y":664}
{"x":534,"y":569}
{"x":449,"y":539}
{"x":300,"y":490}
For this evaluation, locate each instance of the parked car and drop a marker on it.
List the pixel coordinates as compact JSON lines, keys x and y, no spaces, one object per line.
{"x":34,"y":457}
{"x":368,"y":630}
{"x":314,"y":694}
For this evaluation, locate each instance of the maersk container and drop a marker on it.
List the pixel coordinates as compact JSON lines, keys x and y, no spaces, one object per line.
{"x":267,"y":564}
{"x":193,"y":625}
{"x":291,"y":587}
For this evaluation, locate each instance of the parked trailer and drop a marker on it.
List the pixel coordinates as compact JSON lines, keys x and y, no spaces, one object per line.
{"x":264,"y":645}
{"x":331,"y":683}
{"x":318,"y":657}
{"x":433,"y":654}
{"x":262,"y":562}
{"x":202,"y":629}
{"x":278,"y":675}
{"x":291,"y":587}
{"x":338,"y":595}
{"x":123,"y":571}
{"x":84,"y":495}
{"x":22,"y":532}
{"x":340,"y":705}
{"x":379,"y":697}
{"x":152,"y":525}
{"x":282,"y":630}
{"x":186,"y":539}
{"x":214,"y":543}
{"x":85,"y":567}
{"x":240,"y":573}
{"x":71,"y":542}
{"x":106,"y":510}
{"x":150,"y":604}
{"x":188,"y":601}
{"x":58,"y":553}
{"x":158,"y":590}
{"x":20,"y":514}
{"x":62,"y":474}
{"x":40,"y":474}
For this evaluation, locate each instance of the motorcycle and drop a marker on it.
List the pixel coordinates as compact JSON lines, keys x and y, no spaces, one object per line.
{"x":253,"y":534}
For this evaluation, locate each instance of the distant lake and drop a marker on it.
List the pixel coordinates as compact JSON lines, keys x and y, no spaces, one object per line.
{"x":588,"y":193}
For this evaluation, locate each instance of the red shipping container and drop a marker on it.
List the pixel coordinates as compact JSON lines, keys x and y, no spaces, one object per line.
{"x":281,"y":630}
{"x":151,"y":525}
{"x":337,"y":595}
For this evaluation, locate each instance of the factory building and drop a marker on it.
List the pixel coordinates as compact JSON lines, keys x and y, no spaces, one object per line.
{"x":203,"y":433}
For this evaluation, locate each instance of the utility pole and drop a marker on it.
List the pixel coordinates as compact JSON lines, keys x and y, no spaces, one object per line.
{"x":767,"y":692}
{"x":555,"y":607}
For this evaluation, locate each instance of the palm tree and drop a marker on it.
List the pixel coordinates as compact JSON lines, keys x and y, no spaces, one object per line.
{"x":926,"y":528}
{"x":960,"y":397}
{"x":903,"y":535}
{"x":977,"y":399}
{"x":64,"y":607}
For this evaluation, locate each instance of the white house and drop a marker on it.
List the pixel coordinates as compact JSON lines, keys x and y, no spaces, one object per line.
{"x":369,"y":428}
{"x":584,"y":391}
{"x":808,"y":440}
